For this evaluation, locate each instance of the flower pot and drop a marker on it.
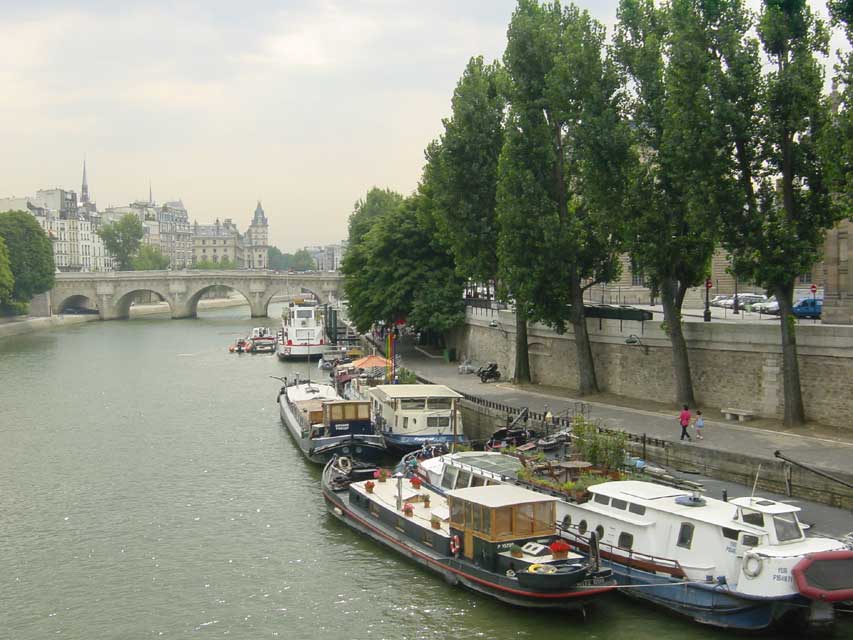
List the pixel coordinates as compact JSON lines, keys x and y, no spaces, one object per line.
{"x":408,"y":513}
{"x":560,"y":555}
{"x":381,"y":478}
{"x":426,"y":502}
{"x":368,"y":488}
{"x":517,"y":554}
{"x":436,"y":524}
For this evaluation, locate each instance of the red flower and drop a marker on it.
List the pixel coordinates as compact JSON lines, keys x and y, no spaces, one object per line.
{"x":559,"y":546}
{"x":416,"y":482}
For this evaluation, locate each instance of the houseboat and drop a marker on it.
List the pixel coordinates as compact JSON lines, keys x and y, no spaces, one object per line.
{"x":303,"y":332}
{"x":323,"y":424}
{"x":498,"y":540}
{"x":413,"y":415}
{"x":262,"y":340}
{"x":740,"y":564}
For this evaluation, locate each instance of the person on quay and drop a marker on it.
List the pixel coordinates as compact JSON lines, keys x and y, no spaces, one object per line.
{"x":699,"y":425}
{"x":684,"y":419}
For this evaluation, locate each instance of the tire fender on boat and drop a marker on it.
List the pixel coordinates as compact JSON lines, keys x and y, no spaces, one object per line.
{"x":541,"y":568}
{"x":752,"y":565}
{"x":455,"y":545}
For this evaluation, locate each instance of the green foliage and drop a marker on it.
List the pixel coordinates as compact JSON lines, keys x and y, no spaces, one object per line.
{"x":588,"y":480}
{"x":606,"y":450}
{"x":208,"y":264}
{"x":464,"y":170}
{"x":7,"y":279}
{"x":149,"y":258}
{"x":122,"y":239}
{"x":837,"y":141}
{"x":404,"y":376}
{"x":30,"y":256}
{"x":299,"y":261}
{"x":398,"y":267}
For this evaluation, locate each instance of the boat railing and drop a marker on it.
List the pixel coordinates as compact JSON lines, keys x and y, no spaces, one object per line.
{"x":630,"y":555}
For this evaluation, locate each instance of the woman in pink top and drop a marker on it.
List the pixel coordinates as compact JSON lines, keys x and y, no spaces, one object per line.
{"x":684,"y":419}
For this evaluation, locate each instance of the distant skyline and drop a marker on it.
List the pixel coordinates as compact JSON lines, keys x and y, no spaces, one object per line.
{"x":303,"y":105}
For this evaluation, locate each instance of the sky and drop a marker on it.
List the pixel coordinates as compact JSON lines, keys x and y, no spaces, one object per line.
{"x":301,"y":104}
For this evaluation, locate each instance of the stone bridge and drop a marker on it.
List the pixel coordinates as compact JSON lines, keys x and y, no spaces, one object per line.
{"x":112,"y":292}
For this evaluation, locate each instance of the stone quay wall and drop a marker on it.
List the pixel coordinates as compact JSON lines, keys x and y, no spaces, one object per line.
{"x":736,"y":365}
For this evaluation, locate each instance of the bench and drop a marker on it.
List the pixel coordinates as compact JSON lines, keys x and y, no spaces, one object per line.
{"x":742,"y":414}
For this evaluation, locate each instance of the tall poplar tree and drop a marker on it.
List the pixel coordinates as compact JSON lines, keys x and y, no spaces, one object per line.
{"x":782,"y":226}
{"x":569,"y":173}
{"x":683,"y":178}
{"x":838,"y":142}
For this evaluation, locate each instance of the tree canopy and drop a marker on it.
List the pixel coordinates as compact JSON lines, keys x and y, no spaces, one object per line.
{"x":122,"y":239}
{"x":30,"y":255}
{"x":149,"y":258}
{"x":7,"y":280}
{"x":301,"y":260}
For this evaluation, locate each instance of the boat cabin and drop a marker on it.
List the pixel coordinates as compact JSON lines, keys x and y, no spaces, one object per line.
{"x":777,"y":519}
{"x":345,"y":417}
{"x":493,"y":520}
{"x":411,"y":408}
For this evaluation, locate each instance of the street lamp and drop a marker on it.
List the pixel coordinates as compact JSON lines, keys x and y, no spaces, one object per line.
{"x":735,"y":309}
{"x":707,"y":316}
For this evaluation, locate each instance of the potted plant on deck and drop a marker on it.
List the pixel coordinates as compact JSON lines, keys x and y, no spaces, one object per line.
{"x":516,"y":551}
{"x":381,"y":475}
{"x":425,"y":499}
{"x":415,"y":482}
{"x":435,"y":521}
{"x":559,"y":549}
{"x":369,"y":485}
{"x":408,"y":509}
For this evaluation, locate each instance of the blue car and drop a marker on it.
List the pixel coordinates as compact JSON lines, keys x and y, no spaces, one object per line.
{"x":808,"y":308}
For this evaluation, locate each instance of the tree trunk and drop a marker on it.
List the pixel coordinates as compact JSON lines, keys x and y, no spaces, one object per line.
{"x":671,"y":297}
{"x":587,"y":382}
{"x":795,"y":414}
{"x":522,"y":357}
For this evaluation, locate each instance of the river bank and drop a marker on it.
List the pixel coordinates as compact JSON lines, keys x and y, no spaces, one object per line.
{"x":26,"y":325}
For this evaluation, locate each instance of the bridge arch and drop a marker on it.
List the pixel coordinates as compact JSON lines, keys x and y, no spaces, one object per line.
{"x":78,"y":300}
{"x":287,"y":289}
{"x":122,"y":301}
{"x":191,"y":305}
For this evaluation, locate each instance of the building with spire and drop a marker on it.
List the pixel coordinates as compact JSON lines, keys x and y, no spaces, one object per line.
{"x":256,"y":246}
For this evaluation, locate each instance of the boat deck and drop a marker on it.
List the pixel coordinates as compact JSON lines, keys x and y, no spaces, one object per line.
{"x":385,"y":493}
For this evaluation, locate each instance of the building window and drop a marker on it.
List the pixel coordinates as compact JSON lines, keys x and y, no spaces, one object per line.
{"x":638,"y":280}
{"x":805,"y":278}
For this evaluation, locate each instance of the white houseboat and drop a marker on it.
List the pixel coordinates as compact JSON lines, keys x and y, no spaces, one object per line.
{"x":303,"y":332}
{"x":413,"y":415}
{"x":742,"y":564}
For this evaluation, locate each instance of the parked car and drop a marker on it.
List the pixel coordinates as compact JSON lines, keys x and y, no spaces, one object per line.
{"x":744,"y":300}
{"x":717,"y":301}
{"x":771,"y":306}
{"x":808,"y":308}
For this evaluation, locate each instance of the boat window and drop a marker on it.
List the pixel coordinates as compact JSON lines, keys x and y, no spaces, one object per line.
{"x":374,"y":509}
{"x":582,"y":527}
{"x":543,"y":516}
{"x":363,"y":411}
{"x":406,"y":423}
{"x":524,"y":519}
{"x":457,"y":513}
{"x":438,"y":421}
{"x":503,"y":521}
{"x":787,"y":527}
{"x":752,"y":517}
{"x":685,"y":535}
{"x":731,"y":534}
{"x":463,"y":479}
{"x":304,"y":313}
{"x":626,"y":540}
{"x":639,"y":509}
{"x":478,"y":481}
{"x":477,"y":520}
{"x":469,"y":516}
{"x":412,"y":404}
{"x":618,"y":504}
{"x":448,"y":480}
{"x":600,"y":499}
{"x":567,"y":521}
{"x":439,"y":403}
{"x":599,"y":532}
{"x":749,"y":540}
{"x":487,"y":521}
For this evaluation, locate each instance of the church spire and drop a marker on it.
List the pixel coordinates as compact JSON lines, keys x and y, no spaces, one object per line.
{"x":150,"y":197}
{"x":84,"y":189}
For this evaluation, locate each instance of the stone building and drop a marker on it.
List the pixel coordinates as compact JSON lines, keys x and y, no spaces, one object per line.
{"x":838,"y":292}
{"x":217,"y":242}
{"x":257,"y":241}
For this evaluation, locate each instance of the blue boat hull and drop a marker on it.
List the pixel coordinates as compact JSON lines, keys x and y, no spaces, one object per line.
{"x":406,"y":443}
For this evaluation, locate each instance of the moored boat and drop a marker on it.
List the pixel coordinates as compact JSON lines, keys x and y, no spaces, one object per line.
{"x":490,"y":539}
{"x":741,"y":564}
{"x":323,"y":424}
{"x":261,"y":341}
{"x":303,"y":332}
{"x":411,"y":416}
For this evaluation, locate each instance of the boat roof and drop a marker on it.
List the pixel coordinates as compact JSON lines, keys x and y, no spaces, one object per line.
{"x":494,"y":463}
{"x":764,"y":505}
{"x":311,"y":391}
{"x":416,"y":391}
{"x":499,"y":495}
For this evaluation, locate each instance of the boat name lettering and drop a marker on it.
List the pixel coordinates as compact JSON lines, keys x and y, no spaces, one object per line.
{"x":782,"y":578}
{"x":732,"y":548}
{"x":342,"y":426}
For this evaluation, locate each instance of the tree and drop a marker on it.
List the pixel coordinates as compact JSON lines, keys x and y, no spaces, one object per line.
{"x":464,"y":170}
{"x":573,"y":158}
{"x":122,"y":239}
{"x":837,"y":143}
{"x":683,"y":180}
{"x":149,"y":258}
{"x":30,"y":255}
{"x":781,"y":227}
{"x":302,"y":261}
{"x":377,"y":204}
{"x":7,"y":280}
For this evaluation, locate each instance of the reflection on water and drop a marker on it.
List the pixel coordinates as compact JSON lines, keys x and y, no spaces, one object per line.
{"x":147,"y":488}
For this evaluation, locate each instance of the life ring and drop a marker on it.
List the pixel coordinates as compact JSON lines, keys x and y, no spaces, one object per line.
{"x":455,"y":545}
{"x":345,"y":464}
{"x":541,"y":568}
{"x":752,"y":565}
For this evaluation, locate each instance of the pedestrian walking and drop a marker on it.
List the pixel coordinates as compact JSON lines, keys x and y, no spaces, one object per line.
{"x":684,"y":420}
{"x":699,"y":425}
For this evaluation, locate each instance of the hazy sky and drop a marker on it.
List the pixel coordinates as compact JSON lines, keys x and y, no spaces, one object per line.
{"x":303,"y":104}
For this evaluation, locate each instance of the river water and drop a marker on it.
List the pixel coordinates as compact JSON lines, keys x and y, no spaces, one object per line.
{"x":148,"y":489}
